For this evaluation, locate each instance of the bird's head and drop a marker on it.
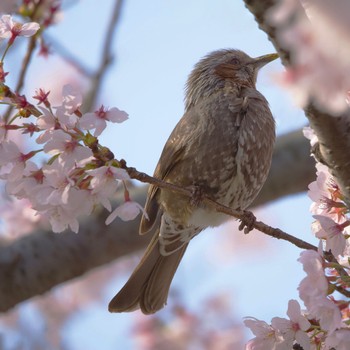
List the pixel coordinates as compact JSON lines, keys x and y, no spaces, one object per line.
{"x":218,"y":67}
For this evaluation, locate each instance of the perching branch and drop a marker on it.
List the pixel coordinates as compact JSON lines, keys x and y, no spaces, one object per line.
{"x":238,"y":214}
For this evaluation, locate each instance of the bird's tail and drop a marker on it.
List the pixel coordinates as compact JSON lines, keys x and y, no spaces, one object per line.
{"x":148,"y":286}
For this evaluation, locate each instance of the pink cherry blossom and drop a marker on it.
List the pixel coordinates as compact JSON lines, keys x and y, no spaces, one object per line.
{"x":266,"y":337}
{"x":71,"y":99}
{"x":11,"y":29}
{"x":67,"y":113}
{"x":41,"y":95}
{"x":47,"y":122}
{"x":54,"y":193}
{"x":60,"y":219}
{"x":58,"y":180}
{"x":104,"y":183}
{"x":98,"y":120}
{"x":70,"y":151}
{"x":104,"y":178}
{"x":126,"y":211}
{"x":312,"y":262}
{"x":339,"y":339}
{"x":15,"y":160}
{"x":293,"y":329}
{"x":23,"y":186}
{"x":315,"y":283}
{"x":325,"y":194}
{"x":327,"y":312}
{"x":332,"y":232}
{"x":313,"y":30}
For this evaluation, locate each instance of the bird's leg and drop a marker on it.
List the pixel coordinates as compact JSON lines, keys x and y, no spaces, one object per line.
{"x":247,"y":220}
{"x":197,"y":195}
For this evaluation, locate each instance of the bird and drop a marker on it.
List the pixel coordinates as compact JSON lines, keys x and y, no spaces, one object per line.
{"x":222,"y":148}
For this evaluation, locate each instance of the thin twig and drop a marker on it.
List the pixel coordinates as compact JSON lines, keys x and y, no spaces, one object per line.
{"x":24,"y":69}
{"x":69,"y":56}
{"x":238,"y":214}
{"x":25,"y":63}
{"x":106,"y":56}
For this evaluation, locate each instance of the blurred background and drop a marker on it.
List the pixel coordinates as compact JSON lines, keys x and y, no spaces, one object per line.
{"x":225,"y":275}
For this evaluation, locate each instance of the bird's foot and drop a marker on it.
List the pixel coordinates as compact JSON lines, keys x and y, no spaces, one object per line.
{"x":248,"y":220}
{"x":197,"y":195}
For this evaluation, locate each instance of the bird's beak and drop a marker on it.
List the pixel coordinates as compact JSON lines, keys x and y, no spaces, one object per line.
{"x":260,"y":61}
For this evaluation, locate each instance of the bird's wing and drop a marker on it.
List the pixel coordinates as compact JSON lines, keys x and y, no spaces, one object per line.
{"x":190,"y":130}
{"x":173,"y":152}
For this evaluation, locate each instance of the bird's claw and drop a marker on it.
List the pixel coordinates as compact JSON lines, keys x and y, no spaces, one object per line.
{"x":248,"y":220}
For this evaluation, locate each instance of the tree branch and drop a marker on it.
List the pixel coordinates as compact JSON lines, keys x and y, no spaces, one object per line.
{"x":332,"y":131}
{"x":34,"y":264}
{"x":106,"y":57}
{"x":24,"y":69}
{"x":238,"y":214}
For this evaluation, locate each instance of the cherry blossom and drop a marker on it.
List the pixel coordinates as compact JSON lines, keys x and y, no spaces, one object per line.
{"x":315,"y":283}
{"x":23,"y":186}
{"x":293,"y":329}
{"x":67,"y":114}
{"x":104,"y":183}
{"x":48,"y":122}
{"x":11,"y":29}
{"x":41,"y":95}
{"x":59,"y":182}
{"x":71,"y":98}
{"x":339,"y":339}
{"x":126,"y":211}
{"x":16,"y":160}
{"x":60,"y":219}
{"x":327,"y":312}
{"x":267,"y":337}
{"x":69,"y":150}
{"x":98,"y":120}
{"x":317,"y":34}
{"x":75,"y":203}
{"x":325,"y":194}
{"x":332,"y":232}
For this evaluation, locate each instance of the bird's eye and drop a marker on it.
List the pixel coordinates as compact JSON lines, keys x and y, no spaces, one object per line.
{"x":235,"y":61}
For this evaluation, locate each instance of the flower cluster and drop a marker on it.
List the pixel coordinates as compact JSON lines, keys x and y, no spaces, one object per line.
{"x":78,"y":173}
{"x":11,"y":29}
{"x":329,"y":209}
{"x":325,"y":322}
{"x":316,"y":34}
{"x":281,"y":333}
